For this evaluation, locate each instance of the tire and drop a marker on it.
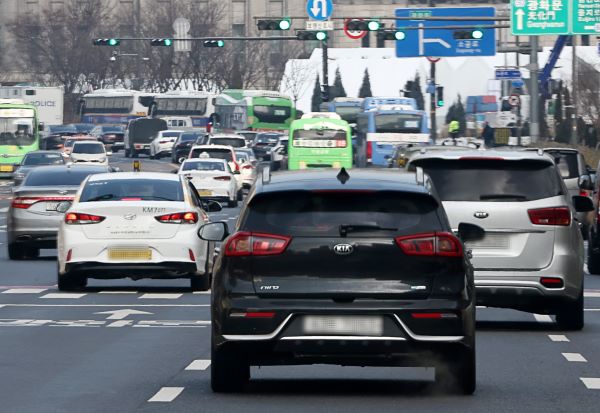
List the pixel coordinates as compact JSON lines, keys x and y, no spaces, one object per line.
{"x":232,"y":204}
{"x":240,"y":195}
{"x":152,"y":157}
{"x":459,"y":376}
{"x":570,"y":316}
{"x":229,"y":372}
{"x":70,"y":282}
{"x":200,"y":282}
{"x":16,"y":251}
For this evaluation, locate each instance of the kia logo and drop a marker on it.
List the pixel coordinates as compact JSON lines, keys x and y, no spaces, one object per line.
{"x":481,"y":214}
{"x":343,"y":249}
{"x":130,"y":217}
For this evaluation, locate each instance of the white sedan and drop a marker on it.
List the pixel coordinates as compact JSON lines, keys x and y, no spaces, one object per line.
{"x":162,"y":145}
{"x":90,"y":153}
{"x":213,"y":178}
{"x":138,"y":225}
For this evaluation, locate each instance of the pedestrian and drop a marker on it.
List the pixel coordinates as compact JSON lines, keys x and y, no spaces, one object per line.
{"x":487,"y":134}
{"x":453,"y":128}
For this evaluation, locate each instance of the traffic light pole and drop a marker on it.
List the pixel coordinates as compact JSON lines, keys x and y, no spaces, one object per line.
{"x":433,"y":106}
{"x":534,"y":116}
{"x":325,"y":70}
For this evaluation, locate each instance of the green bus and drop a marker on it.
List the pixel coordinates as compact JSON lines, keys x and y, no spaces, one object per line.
{"x":319,"y":143}
{"x":258,"y":110}
{"x":19,"y":134}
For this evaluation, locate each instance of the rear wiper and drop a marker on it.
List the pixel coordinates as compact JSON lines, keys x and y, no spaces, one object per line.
{"x":346,"y":228}
{"x":104,"y":197}
{"x":502,"y":196}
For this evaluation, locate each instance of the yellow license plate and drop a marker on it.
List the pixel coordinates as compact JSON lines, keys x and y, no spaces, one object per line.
{"x":6,"y":168}
{"x":130,"y":254}
{"x":205,"y":193}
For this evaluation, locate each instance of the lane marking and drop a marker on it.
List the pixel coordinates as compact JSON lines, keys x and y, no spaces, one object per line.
{"x":198,"y":365}
{"x":120,"y":323}
{"x":542,"y":318}
{"x":202,"y":292}
{"x":2,"y":305}
{"x":24,"y":291}
{"x":576,"y":357}
{"x":62,"y":295}
{"x":592,"y":294}
{"x":591,"y":383}
{"x":558,"y":337}
{"x":5,"y":209}
{"x":107,"y":305}
{"x":118,"y":292}
{"x":161,"y":296}
{"x":166,"y":394}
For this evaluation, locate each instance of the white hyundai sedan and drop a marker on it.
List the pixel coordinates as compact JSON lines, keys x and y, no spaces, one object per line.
{"x":137,"y":225}
{"x":213,"y":178}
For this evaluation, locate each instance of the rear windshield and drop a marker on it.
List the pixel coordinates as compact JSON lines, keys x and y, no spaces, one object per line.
{"x":92,"y":148}
{"x":65,"y":177}
{"x":492,"y":180}
{"x":213,"y":153}
{"x":170,"y":134}
{"x":132,"y":190}
{"x":203,"y":166}
{"x":236,"y":143}
{"x":189,"y":137}
{"x":371,"y":213}
{"x":567,"y":163}
{"x":320,"y":138}
{"x":112,"y":129}
{"x":43,"y":159}
{"x":267,"y":138}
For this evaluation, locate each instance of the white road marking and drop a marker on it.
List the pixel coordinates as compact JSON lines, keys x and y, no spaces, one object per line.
{"x":107,"y":305}
{"x":161,"y":296}
{"x":202,"y":292}
{"x":121,"y":314}
{"x":5,"y":209}
{"x":2,"y":305}
{"x":576,"y":357}
{"x":558,"y":337}
{"x":120,"y":323}
{"x":198,"y":365}
{"x":63,"y":295}
{"x":166,"y":394}
{"x":542,"y":318}
{"x":24,"y":291}
{"x":481,"y":306}
{"x":118,"y":292}
{"x":172,"y":323}
{"x":592,"y":294}
{"x":591,"y":383}
{"x":591,"y":309}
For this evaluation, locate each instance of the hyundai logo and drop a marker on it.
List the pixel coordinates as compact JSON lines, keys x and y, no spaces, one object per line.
{"x":130,"y":217}
{"x":481,"y":214}
{"x":343,"y":249}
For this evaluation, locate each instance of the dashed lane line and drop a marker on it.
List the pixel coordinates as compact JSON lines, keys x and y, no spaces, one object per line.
{"x":107,"y":305}
{"x":592,"y":294}
{"x":558,"y":338}
{"x":5,"y":209}
{"x":542,"y":318}
{"x":161,"y":296}
{"x":575,"y":357}
{"x":24,"y":291}
{"x":166,"y":394}
{"x":118,"y":292}
{"x":592,"y":383}
{"x":63,"y":295}
{"x":198,"y":365}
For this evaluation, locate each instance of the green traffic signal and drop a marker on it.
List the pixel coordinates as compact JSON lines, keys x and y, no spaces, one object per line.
{"x":311,"y":35}
{"x":274,"y":24}
{"x":161,"y":42}
{"x":285,"y":24}
{"x":214,"y":43}
{"x":373,"y":25}
{"x":477,"y":34}
{"x":106,"y":42}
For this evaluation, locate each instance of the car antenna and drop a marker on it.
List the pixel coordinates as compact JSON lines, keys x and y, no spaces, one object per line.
{"x":343,"y":176}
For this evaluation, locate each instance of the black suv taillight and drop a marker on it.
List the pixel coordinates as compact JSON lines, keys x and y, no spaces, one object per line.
{"x":248,"y":243}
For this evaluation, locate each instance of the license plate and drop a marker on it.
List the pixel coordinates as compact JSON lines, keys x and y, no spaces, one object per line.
{"x":343,"y":325}
{"x":52,"y":206}
{"x":6,"y":168}
{"x":118,"y":254}
{"x":205,"y":193}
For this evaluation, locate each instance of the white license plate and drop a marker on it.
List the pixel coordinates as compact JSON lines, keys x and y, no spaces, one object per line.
{"x":343,"y":325}
{"x":52,"y":206}
{"x":205,"y":193}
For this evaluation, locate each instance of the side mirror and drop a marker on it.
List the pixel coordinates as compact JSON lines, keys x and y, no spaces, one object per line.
{"x":585,"y":182}
{"x":470,"y":232}
{"x":215,"y":231}
{"x":63,"y":206}
{"x":582,"y":204}
{"x":115,"y":169}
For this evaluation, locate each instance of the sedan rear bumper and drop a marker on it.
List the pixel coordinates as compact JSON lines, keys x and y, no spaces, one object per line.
{"x":169,"y":269}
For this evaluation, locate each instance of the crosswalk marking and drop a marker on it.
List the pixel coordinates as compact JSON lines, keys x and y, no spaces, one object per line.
{"x":591,"y":294}
{"x":160,"y":296}
{"x":63,"y":295}
{"x":166,"y":394}
{"x":198,"y":365}
{"x":558,"y":337}
{"x":542,"y":318}
{"x":576,"y":357}
{"x":24,"y":291}
{"x":591,"y":383}
{"x":118,"y":292}
{"x":4,"y":209}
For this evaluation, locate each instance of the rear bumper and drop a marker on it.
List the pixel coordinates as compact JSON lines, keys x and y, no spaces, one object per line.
{"x":41,"y":239}
{"x":168,"y":269}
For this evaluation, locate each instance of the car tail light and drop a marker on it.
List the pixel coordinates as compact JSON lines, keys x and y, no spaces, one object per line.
{"x":583,"y":192}
{"x":248,"y":243}
{"x":369,"y":151}
{"x":164,"y":141}
{"x":552,"y":282}
{"x":69,"y":255}
{"x":247,"y":167}
{"x":560,"y":216}
{"x":191,"y":254}
{"x":222,"y":178}
{"x":441,"y":244}
{"x":178,"y":218}
{"x":253,"y":314}
{"x":25,"y":202}
{"x":237,"y":165}
{"x":75,"y":218}
{"x":432,"y":316}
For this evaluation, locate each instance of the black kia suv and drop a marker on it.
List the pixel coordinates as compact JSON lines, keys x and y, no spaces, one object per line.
{"x":351,"y":268}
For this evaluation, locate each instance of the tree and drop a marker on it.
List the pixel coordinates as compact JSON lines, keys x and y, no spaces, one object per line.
{"x":295,"y":79}
{"x":337,"y":90}
{"x":365,"y":87}
{"x":316,"y":97}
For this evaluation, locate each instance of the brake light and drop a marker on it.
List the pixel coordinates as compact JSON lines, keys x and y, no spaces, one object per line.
{"x":25,"y":202}
{"x":178,"y":218}
{"x":552,"y":282}
{"x":247,"y":167}
{"x":254,"y":314}
{"x":369,"y":151}
{"x":441,"y":244}
{"x":583,"y":192}
{"x":433,"y":316}
{"x":237,"y":166}
{"x":164,"y":141}
{"x":191,"y":254}
{"x":248,"y":243}
{"x":75,"y":218}
{"x":69,"y":255}
{"x":560,"y":216}
{"x":222,"y":178}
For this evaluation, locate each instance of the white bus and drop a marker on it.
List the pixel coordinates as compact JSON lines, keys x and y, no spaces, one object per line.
{"x":114,"y":106}
{"x":195,"y":105}
{"x":49,"y":101}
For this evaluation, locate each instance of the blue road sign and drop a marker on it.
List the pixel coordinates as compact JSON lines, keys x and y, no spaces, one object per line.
{"x":508,"y":74}
{"x":427,"y":40}
{"x":319,"y":9}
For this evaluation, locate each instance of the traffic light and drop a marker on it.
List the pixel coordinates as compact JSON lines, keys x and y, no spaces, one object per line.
{"x":440,"y":96}
{"x":391,"y":34}
{"x":472,"y":34}
{"x":364,"y":25}
{"x":274,"y":24}
{"x":214,"y":43}
{"x":106,"y":42}
{"x":311,"y":35}
{"x":162,"y":42}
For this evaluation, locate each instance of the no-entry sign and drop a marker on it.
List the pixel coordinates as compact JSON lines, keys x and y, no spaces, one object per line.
{"x":353,"y":34}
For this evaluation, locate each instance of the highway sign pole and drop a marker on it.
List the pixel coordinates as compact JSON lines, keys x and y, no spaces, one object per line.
{"x":433,"y":105}
{"x":534,"y":126}
{"x":325,"y":70}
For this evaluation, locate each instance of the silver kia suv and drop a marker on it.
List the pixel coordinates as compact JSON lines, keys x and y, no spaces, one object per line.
{"x":532,"y":255}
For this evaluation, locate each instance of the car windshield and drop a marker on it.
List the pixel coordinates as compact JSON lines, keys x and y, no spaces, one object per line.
{"x":203,"y":166}
{"x":57,"y":129}
{"x":272,"y":114}
{"x":376,"y":213}
{"x":89,"y":148}
{"x":17,"y":131}
{"x":491,"y":180}
{"x":32,"y":159}
{"x":189,"y":137}
{"x":234,"y":142}
{"x":112,"y":129}
{"x":213,"y":153}
{"x":60,"y":177}
{"x":398,"y":123}
{"x":84,"y":127}
{"x":132,"y":190}
{"x":567,"y":163}
{"x":242,"y":156}
{"x":170,"y":134}
{"x":269,"y":138}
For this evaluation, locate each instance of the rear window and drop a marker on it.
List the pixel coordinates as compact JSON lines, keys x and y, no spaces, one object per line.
{"x":43,"y":159}
{"x":320,"y":138}
{"x":492,"y":180}
{"x":213,"y":153}
{"x":323,"y":214}
{"x":203,"y":166}
{"x":567,"y":163}
{"x":65,"y":177}
{"x":267,"y":138}
{"x":236,"y":143}
{"x":91,"y":148}
{"x":132,"y":190}
{"x":189,"y":137}
{"x":170,"y":134}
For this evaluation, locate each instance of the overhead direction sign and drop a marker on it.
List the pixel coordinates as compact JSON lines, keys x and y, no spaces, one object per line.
{"x":508,"y":74}
{"x":540,"y":17}
{"x":585,"y":18}
{"x":319,"y":9}
{"x":428,"y":40}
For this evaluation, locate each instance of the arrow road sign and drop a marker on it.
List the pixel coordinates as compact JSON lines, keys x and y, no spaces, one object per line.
{"x":540,"y":17}
{"x":121,"y":314}
{"x":319,"y":9}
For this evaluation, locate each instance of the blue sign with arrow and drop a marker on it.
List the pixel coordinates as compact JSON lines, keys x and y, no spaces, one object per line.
{"x":425,"y":39}
{"x":319,"y":9}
